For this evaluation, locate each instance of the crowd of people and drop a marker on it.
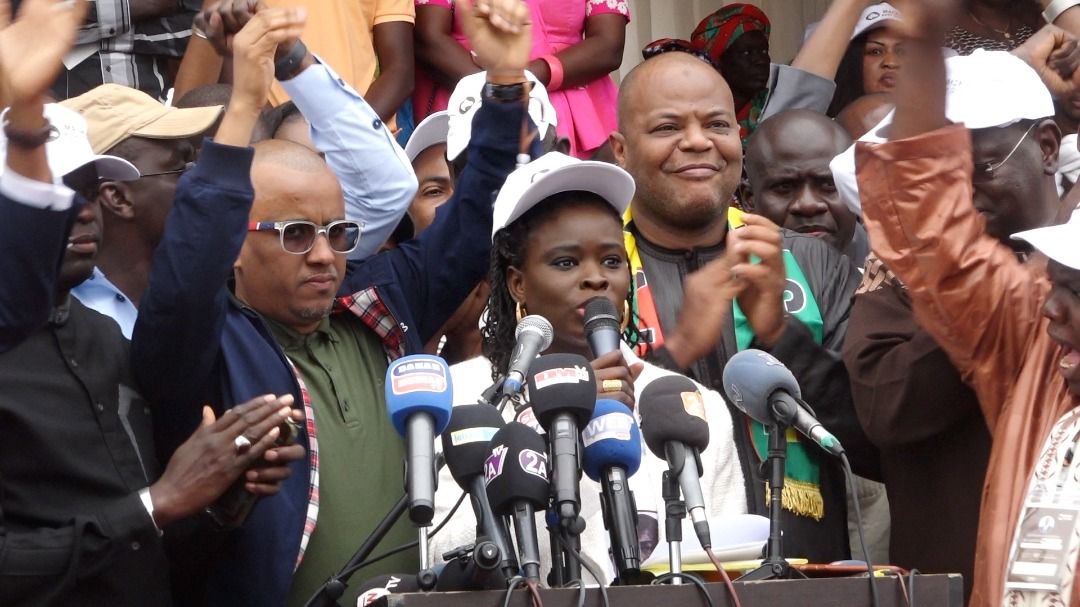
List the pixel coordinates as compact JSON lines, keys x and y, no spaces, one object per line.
{"x":222,"y":220}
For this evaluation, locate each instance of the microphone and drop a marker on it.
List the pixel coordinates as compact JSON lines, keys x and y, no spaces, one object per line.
{"x":674,"y":428}
{"x":375,"y":591}
{"x":516,"y":475}
{"x":763,"y":388}
{"x":533,"y":336}
{"x":562,"y":392}
{"x":602,"y":326}
{"x":418,"y":399}
{"x":466,"y":446}
{"x":612,"y":444}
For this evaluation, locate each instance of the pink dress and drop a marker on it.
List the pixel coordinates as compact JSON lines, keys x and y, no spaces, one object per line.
{"x":586,"y":113}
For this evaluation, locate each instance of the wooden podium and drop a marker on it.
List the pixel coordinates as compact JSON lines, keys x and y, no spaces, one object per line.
{"x":930,"y":591}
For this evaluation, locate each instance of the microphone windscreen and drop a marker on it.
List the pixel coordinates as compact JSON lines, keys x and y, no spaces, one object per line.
{"x":600,"y":313}
{"x":419,"y":383}
{"x":466,"y":440}
{"x":672,"y":409}
{"x":375,"y":590}
{"x":750,"y":378}
{"x":611,"y":438}
{"x":539,"y":325}
{"x":562,"y":383}
{"x":516,"y":469}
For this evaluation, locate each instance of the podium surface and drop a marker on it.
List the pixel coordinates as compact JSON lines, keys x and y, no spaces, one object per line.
{"x":930,"y":591}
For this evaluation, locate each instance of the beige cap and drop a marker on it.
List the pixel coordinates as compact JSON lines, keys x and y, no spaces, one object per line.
{"x":114,"y":112}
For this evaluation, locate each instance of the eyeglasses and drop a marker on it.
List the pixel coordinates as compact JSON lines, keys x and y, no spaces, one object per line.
{"x":668,"y":45}
{"x":180,"y":171}
{"x":298,"y":237}
{"x":984,"y":171}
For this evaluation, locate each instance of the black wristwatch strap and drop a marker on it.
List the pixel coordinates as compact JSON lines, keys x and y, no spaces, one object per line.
{"x":285,"y":68}
{"x":506,"y":93}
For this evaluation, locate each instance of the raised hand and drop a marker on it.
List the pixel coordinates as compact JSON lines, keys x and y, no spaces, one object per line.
{"x":500,"y":32}
{"x":761,"y":281}
{"x":208,"y":462}
{"x":32,"y":47}
{"x":221,"y":20}
{"x":1054,"y":54}
{"x":253,"y":49}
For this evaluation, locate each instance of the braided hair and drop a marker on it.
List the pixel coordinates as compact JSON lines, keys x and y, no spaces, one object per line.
{"x":508,"y":249}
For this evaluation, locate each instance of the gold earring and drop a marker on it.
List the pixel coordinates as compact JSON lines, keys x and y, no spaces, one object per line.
{"x":625,"y":316}
{"x":520,"y":311}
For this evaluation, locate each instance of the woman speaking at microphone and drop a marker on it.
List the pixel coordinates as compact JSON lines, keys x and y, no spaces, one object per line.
{"x":557,"y":244}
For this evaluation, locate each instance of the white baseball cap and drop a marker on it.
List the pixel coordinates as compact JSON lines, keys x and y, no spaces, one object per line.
{"x":984,"y":89}
{"x":1057,"y":242}
{"x":465,"y":100}
{"x":875,"y":16}
{"x":431,"y":131}
{"x":69,"y":148}
{"x":554,"y":173}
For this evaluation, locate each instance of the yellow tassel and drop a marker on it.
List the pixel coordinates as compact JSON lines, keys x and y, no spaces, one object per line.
{"x":801,"y":498}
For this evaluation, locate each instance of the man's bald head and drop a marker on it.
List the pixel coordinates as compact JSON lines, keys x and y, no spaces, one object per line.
{"x":678,"y":138}
{"x":787,"y":163}
{"x":864,"y":113}
{"x":640,"y":78}
{"x":784,"y":131}
{"x":292,"y":184}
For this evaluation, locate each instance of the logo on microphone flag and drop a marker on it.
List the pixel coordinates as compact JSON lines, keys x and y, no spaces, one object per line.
{"x":614,"y":426}
{"x":472,"y":435}
{"x":693,"y":404}
{"x":565,"y":375}
{"x":418,"y":376}
{"x":534,"y":463}
{"x":493,"y":465}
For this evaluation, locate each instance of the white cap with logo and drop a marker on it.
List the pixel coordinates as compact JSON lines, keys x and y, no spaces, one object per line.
{"x":465,"y":100}
{"x":69,"y":148}
{"x":554,"y":173}
{"x":985,"y":89}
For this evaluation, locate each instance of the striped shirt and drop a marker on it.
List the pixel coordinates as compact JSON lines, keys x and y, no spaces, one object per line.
{"x":135,"y":54}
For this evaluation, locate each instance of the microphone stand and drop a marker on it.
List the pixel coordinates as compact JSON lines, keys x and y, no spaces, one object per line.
{"x":775,"y":566}
{"x":328,"y":594}
{"x":675,"y":513}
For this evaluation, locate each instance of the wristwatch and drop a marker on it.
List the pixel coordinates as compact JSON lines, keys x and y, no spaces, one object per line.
{"x":1055,"y":8}
{"x":507,"y":93}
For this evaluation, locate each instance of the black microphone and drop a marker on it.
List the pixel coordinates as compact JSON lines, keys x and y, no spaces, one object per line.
{"x":763,"y":388}
{"x":612,"y":455}
{"x":533,"y":336}
{"x":562,"y":392}
{"x":374,"y":592}
{"x":473,"y":567}
{"x":674,"y":428}
{"x":602,"y":326}
{"x":516,"y":474}
{"x":466,"y":445}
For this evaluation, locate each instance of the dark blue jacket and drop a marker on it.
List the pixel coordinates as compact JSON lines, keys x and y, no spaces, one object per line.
{"x":33,"y":244}
{"x":195,"y":344}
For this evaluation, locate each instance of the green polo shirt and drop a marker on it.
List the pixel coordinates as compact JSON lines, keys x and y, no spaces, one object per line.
{"x":343,"y":365}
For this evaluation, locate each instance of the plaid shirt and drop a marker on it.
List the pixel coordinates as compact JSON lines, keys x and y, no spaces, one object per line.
{"x":132,"y":54}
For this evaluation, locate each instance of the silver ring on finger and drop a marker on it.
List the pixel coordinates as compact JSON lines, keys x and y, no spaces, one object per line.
{"x":242,"y":444}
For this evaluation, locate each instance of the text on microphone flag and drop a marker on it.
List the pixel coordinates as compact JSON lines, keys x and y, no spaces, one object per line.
{"x":615,"y":426}
{"x":418,"y":376}
{"x":472,"y":435}
{"x":565,"y":375}
{"x":533,"y":462}
{"x":493,"y":465}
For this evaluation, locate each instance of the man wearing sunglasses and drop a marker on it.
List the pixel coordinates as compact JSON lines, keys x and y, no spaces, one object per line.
{"x":300,"y":317}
